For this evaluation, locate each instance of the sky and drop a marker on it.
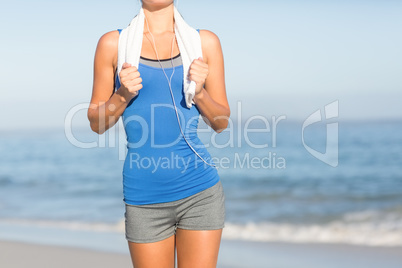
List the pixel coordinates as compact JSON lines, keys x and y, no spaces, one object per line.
{"x":282,"y":58}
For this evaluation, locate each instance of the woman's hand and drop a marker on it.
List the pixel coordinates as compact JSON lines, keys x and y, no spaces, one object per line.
{"x":130,"y":80}
{"x":198,"y":73}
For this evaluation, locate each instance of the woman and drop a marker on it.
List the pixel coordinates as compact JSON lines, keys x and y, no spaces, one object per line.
{"x":175,"y":204}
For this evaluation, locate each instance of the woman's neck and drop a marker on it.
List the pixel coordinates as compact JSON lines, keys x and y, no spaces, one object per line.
{"x":160,"y":19}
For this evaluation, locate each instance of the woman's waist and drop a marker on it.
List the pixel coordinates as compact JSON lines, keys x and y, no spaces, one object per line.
{"x":169,"y":156}
{"x":178,"y":151}
{"x":168,"y":165}
{"x":163,"y":141}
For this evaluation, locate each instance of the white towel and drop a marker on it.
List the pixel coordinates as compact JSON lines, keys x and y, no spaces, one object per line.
{"x":188,"y":40}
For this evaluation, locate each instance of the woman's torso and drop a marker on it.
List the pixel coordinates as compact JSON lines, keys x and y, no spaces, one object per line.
{"x":160,"y":166}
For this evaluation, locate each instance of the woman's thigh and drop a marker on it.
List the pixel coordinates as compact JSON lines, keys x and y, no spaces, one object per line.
{"x":196,"y":220}
{"x":199,"y":231}
{"x":197,"y":249}
{"x":150,"y":255}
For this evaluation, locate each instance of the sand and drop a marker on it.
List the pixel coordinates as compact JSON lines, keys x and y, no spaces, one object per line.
{"x":233,"y":254}
{"x":239,"y":254}
{"x":18,"y":255}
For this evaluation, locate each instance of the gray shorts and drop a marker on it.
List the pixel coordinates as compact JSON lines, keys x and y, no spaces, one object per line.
{"x":154,"y":222}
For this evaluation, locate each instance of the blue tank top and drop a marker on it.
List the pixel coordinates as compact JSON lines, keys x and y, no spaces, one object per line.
{"x":159,"y":165}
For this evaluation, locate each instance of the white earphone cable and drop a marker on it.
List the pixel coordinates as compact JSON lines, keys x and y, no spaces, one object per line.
{"x":171,"y":92}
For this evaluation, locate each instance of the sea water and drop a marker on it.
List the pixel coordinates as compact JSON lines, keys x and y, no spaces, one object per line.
{"x":275,"y":189}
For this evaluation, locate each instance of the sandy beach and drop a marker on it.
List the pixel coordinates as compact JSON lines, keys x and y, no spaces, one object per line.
{"x":18,"y":254}
{"x":234,"y":254}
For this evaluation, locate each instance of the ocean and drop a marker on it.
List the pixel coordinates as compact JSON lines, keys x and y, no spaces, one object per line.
{"x":279,"y":192}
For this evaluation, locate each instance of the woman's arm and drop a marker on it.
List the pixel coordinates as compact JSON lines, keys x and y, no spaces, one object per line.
{"x":106,"y":105}
{"x":209,"y":74}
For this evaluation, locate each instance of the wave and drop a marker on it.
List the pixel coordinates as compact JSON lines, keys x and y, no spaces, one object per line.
{"x":69,"y":225}
{"x":370,"y":228}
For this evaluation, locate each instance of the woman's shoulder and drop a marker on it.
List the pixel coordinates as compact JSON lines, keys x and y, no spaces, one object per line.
{"x":210,"y":43}
{"x":109,"y":39}
{"x":209,"y":38}
{"x":108,"y":45}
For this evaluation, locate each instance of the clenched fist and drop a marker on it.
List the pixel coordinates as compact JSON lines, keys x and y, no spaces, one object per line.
{"x":198,"y":73}
{"x":130,"y":80}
